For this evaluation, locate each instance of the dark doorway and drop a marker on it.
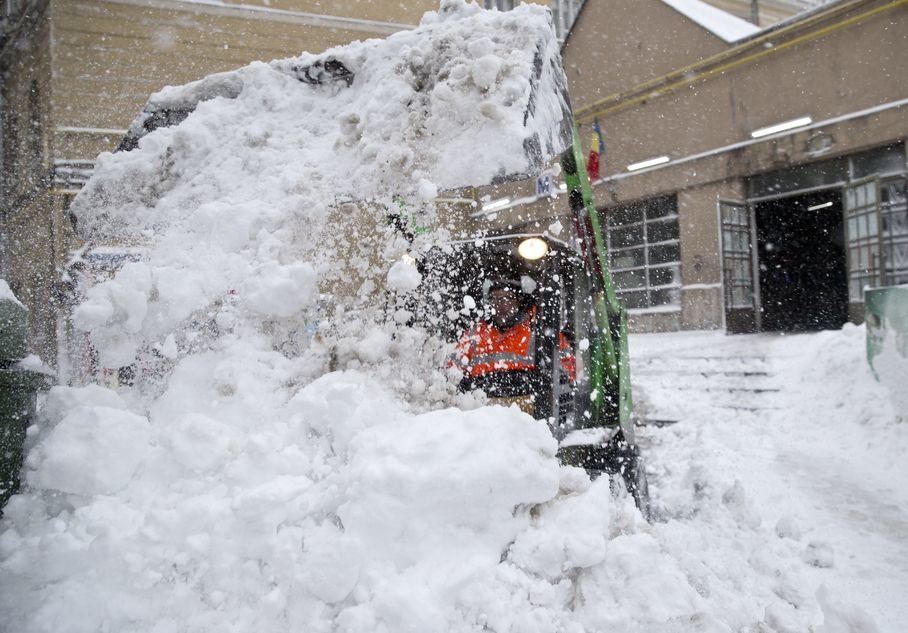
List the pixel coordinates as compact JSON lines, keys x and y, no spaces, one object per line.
{"x":803,"y":282}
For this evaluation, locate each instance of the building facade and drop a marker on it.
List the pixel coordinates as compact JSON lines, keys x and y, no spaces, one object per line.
{"x":756,"y":183}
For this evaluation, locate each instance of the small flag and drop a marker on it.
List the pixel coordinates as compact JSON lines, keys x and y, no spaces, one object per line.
{"x":597,"y":149}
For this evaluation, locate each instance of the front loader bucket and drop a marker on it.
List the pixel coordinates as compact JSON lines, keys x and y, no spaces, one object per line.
{"x":477,"y":104}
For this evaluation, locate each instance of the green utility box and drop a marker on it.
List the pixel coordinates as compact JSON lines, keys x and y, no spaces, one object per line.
{"x":886,"y":316}
{"x":18,"y":394}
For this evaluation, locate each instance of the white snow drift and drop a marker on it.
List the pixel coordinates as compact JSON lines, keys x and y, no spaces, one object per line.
{"x":289,"y":459}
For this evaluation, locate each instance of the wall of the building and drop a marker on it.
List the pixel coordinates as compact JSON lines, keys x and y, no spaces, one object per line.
{"x":402,"y":13}
{"x":855,"y":67}
{"x":616,"y":45}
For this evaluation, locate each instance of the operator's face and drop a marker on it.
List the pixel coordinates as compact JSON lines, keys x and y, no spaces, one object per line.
{"x":504,"y":303}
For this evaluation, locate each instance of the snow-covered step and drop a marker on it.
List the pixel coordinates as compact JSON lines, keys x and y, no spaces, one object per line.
{"x":711,"y":382}
{"x":754,"y":364}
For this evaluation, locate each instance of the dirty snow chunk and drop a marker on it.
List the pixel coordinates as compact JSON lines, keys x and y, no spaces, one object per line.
{"x":374,"y":346}
{"x":62,"y":400}
{"x":403,"y":277}
{"x":340,"y":405}
{"x":480,"y":47}
{"x":33,"y":362}
{"x":428,"y":505}
{"x":527,"y":284}
{"x":121,"y":301}
{"x":94,"y":450}
{"x":463,"y":492}
{"x":281,"y":290}
{"x":115,"y":311}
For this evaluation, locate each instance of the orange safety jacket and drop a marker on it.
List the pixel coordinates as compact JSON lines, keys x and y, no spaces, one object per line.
{"x":486,"y":350}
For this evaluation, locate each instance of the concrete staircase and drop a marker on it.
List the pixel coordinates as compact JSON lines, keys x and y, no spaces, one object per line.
{"x":734,"y":374}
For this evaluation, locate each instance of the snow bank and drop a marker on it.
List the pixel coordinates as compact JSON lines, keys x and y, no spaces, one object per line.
{"x":327,"y":507}
{"x":784,"y":517}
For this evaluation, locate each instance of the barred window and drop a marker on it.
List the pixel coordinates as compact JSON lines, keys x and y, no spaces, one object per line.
{"x":894,"y":208}
{"x":644,"y":250}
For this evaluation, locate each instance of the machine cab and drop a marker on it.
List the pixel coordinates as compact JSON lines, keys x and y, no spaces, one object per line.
{"x":563,"y":385}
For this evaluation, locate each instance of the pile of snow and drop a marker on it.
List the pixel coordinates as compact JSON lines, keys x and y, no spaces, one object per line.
{"x":242,"y":502}
{"x":326,"y":508}
{"x":788,"y":514}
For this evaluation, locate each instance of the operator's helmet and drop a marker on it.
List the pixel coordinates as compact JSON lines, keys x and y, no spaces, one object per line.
{"x":524,"y":284}
{"x":501,"y":283}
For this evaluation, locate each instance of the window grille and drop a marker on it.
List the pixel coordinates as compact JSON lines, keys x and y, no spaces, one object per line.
{"x":864,"y":237}
{"x":644,"y":250}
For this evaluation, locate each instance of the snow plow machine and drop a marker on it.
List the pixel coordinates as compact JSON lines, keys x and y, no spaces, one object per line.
{"x":490,"y":86}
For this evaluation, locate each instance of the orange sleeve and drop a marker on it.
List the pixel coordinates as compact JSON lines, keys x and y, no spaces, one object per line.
{"x":566,"y":355}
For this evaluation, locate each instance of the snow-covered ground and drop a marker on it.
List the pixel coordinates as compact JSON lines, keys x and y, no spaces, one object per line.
{"x":292,"y":458}
{"x":779,"y":494}
{"x":783,"y":481}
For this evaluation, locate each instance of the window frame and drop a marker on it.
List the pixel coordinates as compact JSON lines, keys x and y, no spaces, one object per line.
{"x":650,"y":212}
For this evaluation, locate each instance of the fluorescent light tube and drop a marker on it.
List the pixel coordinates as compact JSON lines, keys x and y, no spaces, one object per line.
{"x":817,"y":207}
{"x":782,"y":127}
{"x":494,"y":205}
{"x":652,"y":162}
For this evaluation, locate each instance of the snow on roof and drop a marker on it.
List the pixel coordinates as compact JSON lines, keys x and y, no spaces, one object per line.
{"x":721,"y":24}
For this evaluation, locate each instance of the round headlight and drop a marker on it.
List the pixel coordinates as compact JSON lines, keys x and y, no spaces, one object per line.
{"x":533,"y":248}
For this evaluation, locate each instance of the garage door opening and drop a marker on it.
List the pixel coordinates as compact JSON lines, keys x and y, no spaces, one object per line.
{"x":802,"y":265}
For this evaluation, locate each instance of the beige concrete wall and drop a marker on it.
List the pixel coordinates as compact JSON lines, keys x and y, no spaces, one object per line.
{"x":617,"y":45}
{"x":408,"y":12}
{"x":29,"y":236}
{"x":701,"y":261}
{"x":851,"y":67}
